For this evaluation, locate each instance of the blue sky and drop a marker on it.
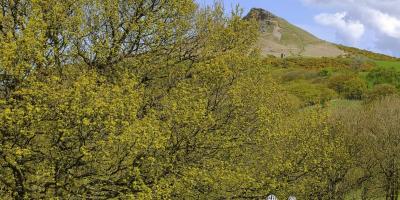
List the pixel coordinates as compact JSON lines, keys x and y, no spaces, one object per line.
{"x":367,"y":24}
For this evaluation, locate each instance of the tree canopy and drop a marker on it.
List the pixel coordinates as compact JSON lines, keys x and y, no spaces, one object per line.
{"x":162,"y":99}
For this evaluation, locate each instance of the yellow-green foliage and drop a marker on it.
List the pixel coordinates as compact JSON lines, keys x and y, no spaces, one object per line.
{"x":356,"y":63}
{"x":311,"y":94}
{"x":139,"y":99}
{"x":69,"y":136}
{"x":348,"y":85}
{"x":130,"y":100}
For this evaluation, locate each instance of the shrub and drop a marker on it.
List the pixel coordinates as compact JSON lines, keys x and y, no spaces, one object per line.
{"x":382,"y":90}
{"x":293,"y":75}
{"x":384,"y":76}
{"x":325,"y":72}
{"x":361,"y":64}
{"x":311,"y":94}
{"x":355,"y":88}
{"x":338,"y":82}
{"x":300,"y":74}
{"x":349,"y":86}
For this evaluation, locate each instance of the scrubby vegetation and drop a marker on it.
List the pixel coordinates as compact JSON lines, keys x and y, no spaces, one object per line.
{"x":107,"y":99}
{"x":351,"y":51}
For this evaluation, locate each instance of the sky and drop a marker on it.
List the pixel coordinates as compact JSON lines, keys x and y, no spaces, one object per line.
{"x":368,"y":24}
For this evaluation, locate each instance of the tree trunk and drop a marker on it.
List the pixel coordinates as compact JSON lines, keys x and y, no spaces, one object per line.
{"x":392,"y":182}
{"x":364,"y":193}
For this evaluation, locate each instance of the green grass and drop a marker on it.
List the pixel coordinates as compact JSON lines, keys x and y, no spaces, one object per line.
{"x":364,"y":75}
{"x":388,"y":64}
{"x":382,"y":64}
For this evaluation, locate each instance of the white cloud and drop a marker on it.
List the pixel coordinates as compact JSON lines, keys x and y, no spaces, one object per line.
{"x":386,"y":24}
{"x":392,"y":6}
{"x":348,"y":30}
{"x":380,"y":18}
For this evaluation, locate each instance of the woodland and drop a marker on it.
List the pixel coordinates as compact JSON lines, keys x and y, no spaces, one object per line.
{"x":161,"y":99}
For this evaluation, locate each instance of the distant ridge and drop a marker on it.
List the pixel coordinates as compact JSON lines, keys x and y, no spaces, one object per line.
{"x":351,"y":51}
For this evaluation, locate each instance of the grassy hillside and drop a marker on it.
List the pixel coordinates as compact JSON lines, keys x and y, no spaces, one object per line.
{"x":388,"y":64}
{"x":278,"y":36}
{"x":292,"y":34}
{"x":351,"y":51}
{"x":346,"y":78}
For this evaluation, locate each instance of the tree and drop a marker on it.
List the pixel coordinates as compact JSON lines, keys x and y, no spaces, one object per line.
{"x":135,"y":103}
{"x":350,"y":86}
{"x":375,"y":127}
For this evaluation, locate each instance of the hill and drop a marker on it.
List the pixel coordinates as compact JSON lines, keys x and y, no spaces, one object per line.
{"x":278,"y":37}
